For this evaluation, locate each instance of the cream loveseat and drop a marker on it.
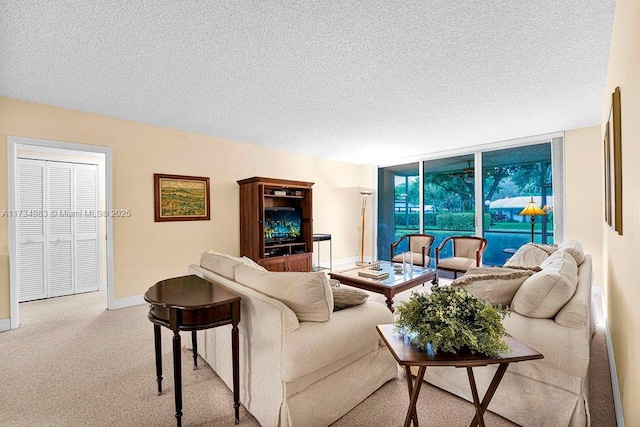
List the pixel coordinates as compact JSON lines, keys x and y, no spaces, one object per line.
{"x":295,"y":372}
{"x":552,"y":315}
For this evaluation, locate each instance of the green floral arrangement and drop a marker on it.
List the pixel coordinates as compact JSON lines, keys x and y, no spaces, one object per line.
{"x":450,"y":319}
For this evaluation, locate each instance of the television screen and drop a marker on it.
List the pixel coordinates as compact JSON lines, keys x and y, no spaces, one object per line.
{"x":281,"y":225}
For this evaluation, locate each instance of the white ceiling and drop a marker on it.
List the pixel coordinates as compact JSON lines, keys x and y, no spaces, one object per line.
{"x":356,"y":81}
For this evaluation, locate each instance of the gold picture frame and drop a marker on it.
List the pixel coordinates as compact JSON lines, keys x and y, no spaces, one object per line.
{"x":180,"y":198}
{"x":616,"y":161}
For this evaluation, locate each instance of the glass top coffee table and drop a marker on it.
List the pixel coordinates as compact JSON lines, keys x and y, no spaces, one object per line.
{"x":389,"y":286}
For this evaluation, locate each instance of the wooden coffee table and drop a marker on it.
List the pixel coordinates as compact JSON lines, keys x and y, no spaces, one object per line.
{"x":408,"y":355}
{"x":395,"y":283}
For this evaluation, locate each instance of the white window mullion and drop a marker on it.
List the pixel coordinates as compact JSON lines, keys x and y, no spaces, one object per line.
{"x":479,"y":204}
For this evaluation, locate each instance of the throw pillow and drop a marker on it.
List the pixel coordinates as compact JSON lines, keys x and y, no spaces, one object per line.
{"x":334,"y":283}
{"x":496,"y":285}
{"x":527,"y":256}
{"x":347,"y":297}
{"x":544,"y":293}
{"x":308,"y":295}
{"x":574,"y":248}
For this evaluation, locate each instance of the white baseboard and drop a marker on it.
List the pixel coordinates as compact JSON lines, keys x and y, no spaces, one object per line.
{"x":617,"y":401}
{"x":5,"y":324}
{"x":128,"y":302}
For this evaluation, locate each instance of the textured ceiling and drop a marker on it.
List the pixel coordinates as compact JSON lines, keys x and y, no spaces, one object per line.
{"x":357,"y":81}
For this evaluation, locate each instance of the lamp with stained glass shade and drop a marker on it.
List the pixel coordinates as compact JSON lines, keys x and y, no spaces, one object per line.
{"x":532,"y":209}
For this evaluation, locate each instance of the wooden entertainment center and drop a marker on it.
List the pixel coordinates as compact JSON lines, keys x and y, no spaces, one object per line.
{"x":276,"y":223}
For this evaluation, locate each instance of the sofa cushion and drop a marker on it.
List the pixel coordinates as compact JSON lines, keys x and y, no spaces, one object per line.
{"x":307,"y":294}
{"x":251,"y":263}
{"x":222,"y":264}
{"x":347,"y":297}
{"x":574,"y":248}
{"x":456,"y":263}
{"x":529,"y":255}
{"x":544,"y":293}
{"x":496,"y":285}
{"x":416,"y":258}
{"x":315,"y":346}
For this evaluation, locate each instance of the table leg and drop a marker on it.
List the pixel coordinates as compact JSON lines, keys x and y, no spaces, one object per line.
{"x":489,"y":394}
{"x":389,"y":300}
{"x":194,"y":344}
{"x":478,"y":419}
{"x":407,"y":370}
{"x":414,"y":389}
{"x":236,"y":370}
{"x":177,"y":375}
{"x":158,"y":347}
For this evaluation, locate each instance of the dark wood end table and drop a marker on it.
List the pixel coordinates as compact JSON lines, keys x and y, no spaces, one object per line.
{"x":408,"y":355}
{"x":389,"y":286}
{"x":190,"y":303}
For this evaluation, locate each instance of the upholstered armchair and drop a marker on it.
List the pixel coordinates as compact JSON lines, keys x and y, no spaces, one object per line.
{"x":418,"y":244}
{"x":467,"y":253}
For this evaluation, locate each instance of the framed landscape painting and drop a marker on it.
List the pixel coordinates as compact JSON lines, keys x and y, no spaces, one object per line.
{"x":180,"y":197}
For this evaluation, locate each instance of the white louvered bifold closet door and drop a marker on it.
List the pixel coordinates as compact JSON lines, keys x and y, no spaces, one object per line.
{"x":85,"y":178}
{"x":59,"y":198}
{"x":57,"y":229}
{"x":31,"y":230}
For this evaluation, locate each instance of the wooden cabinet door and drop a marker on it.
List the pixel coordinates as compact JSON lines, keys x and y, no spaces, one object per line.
{"x":274,"y":264}
{"x":299,"y":262}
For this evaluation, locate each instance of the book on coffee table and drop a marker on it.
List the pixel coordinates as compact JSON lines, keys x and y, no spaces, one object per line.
{"x":373,"y":274}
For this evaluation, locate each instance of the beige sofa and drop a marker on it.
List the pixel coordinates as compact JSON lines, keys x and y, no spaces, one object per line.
{"x":553,"y":391}
{"x":293,"y":372}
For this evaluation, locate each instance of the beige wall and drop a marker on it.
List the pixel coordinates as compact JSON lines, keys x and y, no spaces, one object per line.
{"x":621,"y":253}
{"x":584,"y":193}
{"x":146,"y":251}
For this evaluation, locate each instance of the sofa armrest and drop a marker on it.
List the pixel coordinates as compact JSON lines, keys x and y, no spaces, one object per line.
{"x":263,"y":327}
{"x":564,"y":348}
{"x":576,"y":313}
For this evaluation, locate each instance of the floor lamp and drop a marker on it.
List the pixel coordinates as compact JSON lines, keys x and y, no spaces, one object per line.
{"x":532,"y":209}
{"x":365,"y":195}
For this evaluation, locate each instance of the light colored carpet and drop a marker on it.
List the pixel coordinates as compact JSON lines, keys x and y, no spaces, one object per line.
{"x":73,"y":363}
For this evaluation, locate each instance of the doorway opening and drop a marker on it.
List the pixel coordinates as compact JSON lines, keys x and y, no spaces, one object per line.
{"x":75,"y":163}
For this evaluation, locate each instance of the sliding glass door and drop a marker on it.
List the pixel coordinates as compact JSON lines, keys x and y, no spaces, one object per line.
{"x":511,"y":179}
{"x":456,"y":196}
{"x":449,"y":199}
{"x":398,"y":205}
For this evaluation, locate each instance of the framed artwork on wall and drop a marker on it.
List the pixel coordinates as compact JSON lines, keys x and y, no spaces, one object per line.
{"x":180,"y":198}
{"x":613,"y":165}
{"x":615,"y":136}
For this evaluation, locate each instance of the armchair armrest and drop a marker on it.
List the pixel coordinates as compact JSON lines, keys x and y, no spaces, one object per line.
{"x":441,"y":247}
{"x":393,"y":247}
